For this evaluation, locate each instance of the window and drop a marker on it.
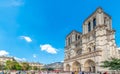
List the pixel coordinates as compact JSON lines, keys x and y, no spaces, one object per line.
{"x":76,"y":37}
{"x":89,"y":27}
{"x":94,"y":23}
{"x":68,"y":41}
{"x":79,"y":37}
{"x":105,"y":20}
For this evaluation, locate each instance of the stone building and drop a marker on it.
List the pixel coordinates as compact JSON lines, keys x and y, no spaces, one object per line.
{"x":35,"y":64}
{"x":3,"y":59}
{"x":85,"y":51}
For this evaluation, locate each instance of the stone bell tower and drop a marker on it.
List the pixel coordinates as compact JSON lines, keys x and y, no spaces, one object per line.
{"x":98,"y":35}
{"x":105,"y":38}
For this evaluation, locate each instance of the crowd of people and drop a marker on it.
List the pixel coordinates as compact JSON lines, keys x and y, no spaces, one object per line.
{"x":49,"y":72}
{"x":82,"y":72}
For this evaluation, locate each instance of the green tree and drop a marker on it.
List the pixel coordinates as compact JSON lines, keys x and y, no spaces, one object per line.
{"x":43,"y":69}
{"x":25,"y":66}
{"x":50,"y":69}
{"x":30,"y":68}
{"x":111,"y":64}
{"x":17,"y":66}
{"x":9,"y":65}
{"x":13,"y":65}
{"x":35,"y":68}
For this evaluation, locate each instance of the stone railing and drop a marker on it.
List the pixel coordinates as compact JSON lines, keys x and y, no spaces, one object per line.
{"x":87,"y":55}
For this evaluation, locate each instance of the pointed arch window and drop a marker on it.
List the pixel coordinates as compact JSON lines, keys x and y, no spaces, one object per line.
{"x":94,"y":23}
{"x":105,"y":20}
{"x":76,"y":37}
{"x":89,"y":27}
{"x":68,"y":41}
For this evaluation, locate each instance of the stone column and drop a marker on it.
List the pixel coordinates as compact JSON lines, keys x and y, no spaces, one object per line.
{"x":82,"y":67}
{"x":100,"y":18}
{"x":86,"y":28}
{"x":83,"y":28}
{"x":64,"y":67}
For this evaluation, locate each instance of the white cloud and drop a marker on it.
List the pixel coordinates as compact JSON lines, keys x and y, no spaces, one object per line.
{"x":11,"y":3}
{"x":19,"y":59}
{"x":48,"y":48}
{"x":118,"y":48}
{"x":34,"y":55}
{"x":28,"y":39}
{"x":3,"y":53}
{"x":62,"y":61}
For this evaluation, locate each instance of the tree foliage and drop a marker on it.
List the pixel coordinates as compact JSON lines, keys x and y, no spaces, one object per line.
{"x":112,"y":64}
{"x":35,"y":68}
{"x":25,"y":66}
{"x":13,"y":65}
{"x":49,"y":69}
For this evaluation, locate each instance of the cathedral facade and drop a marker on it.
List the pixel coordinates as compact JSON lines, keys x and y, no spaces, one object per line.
{"x":85,"y":51}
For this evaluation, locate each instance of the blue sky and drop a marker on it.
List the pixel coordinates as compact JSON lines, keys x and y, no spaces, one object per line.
{"x":35,"y":30}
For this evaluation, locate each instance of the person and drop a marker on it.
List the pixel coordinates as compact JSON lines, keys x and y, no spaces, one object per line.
{"x":2,"y":72}
{"x":76,"y":72}
{"x":57,"y":72}
{"x":72,"y":72}
{"x":80,"y":72}
{"x":105,"y":73}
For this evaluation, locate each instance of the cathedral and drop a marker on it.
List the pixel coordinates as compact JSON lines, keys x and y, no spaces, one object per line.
{"x":85,"y":51}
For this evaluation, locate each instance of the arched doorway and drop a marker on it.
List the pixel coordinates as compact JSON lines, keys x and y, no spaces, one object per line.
{"x":67,"y":67}
{"x":76,"y":66}
{"x":89,"y":66}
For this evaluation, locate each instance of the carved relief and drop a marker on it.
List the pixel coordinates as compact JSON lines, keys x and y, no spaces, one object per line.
{"x":79,"y":52}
